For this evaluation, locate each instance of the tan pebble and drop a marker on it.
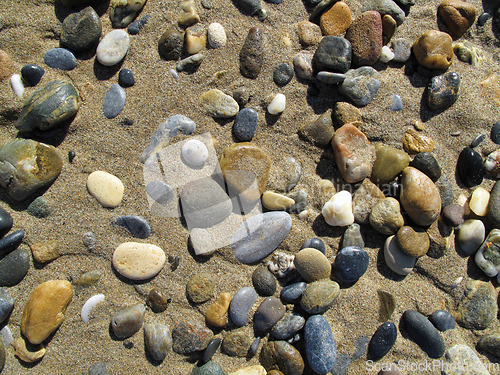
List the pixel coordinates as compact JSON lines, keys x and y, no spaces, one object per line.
{"x":138,"y":261}
{"x":28,"y":352}
{"x":44,"y":310}
{"x":386,"y":216}
{"x":312,"y":265}
{"x":389,"y":25}
{"x":44,"y":252}
{"x":458,"y":15}
{"x":252,"y":370}
{"x":276,"y":202}
{"x":196,"y":39}
{"x":346,"y":113}
{"x":6,"y":65}
{"x":493,"y":87}
{"x":188,"y":14}
{"x":216,"y":314}
{"x":414,"y":243}
{"x":414,"y":142}
{"x":419,"y":125}
{"x":105,"y":188}
{"x":336,"y":20}
{"x":309,"y":33}
{"x":434,"y":50}
{"x":479,"y":201}
{"x":286,"y":41}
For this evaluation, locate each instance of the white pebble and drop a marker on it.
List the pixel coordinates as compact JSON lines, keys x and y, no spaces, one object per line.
{"x":113,"y":47}
{"x":89,"y":305}
{"x":105,"y":188}
{"x":174,"y":73}
{"x":17,"y":85}
{"x":194,"y":153}
{"x":338,"y":210}
{"x":479,"y":201}
{"x":457,"y":282}
{"x":277,"y":105}
{"x":386,"y":55}
{"x":216,"y":35}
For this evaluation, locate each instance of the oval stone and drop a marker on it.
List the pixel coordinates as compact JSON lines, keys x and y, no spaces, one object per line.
{"x":245,"y":124}
{"x":383,"y":340}
{"x":319,"y":296}
{"x":32,"y":74}
{"x":114,"y":101}
{"x":423,"y":333}
{"x":219,"y":105}
{"x":171,"y":43}
{"x":470,"y":167}
{"x":13,"y":267}
{"x":361,"y":85}
{"x":270,"y":311}
{"x":128,"y":321}
{"x":427,"y":163}
{"x":105,"y":188}
{"x":283,"y":356}
{"x":60,"y":58}
{"x":136,"y":225}
{"x":209,"y":368}
{"x":442,"y":320}
{"x":351,"y":263}
{"x":210,"y":351}
{"x":312,"y":265}
{"x":158,"y":340}
{"x":321,"y":350}
{"x":113,"y":47}
{"x":490,"y":343}
{"x":252,"y":53}
{"x":48,"y":106}
{"x":287,"y":327}
{"x":241,"y":304}
{"x":434,"y":50}
{"x":336,"y":20}
{"x":264,"y":281}
{"x":81,"y":30}
{"x":260,"y":235}
{"x":458,"y":15}
{"x":292,"y":293}
{"x":138,"y":261}
{"x":333,"y":54}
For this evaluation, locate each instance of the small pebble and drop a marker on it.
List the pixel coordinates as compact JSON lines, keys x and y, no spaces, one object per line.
{"x":333,"y":54}
{"x":483,"y":18}
{"x":6,"y":65}
{"x":194,"y":153}
{"x":245,"y":124}
{"x":216,"y":35}
{"x":190,"y":337}
{"x":314,"y":243}
{"x":397,"y":103}
{"x":45,"y":251}
{"x":292,"y":293}
{"x":195,"y":39}
{"x":402,"y":50}
{"x":479,"y":200}
{"x":287,"y":327}
{"x":423,"y":333}
{"x":171,"y":43}
{"x":237,"y":343}
{"x":477,"y":141}
{"x":413,"y":241}
{"x":32,"y":74}
{"x":138,"y":261}
{"x":136,"y":225}
{"x":470,"y":167}
{"x":211,"y":349}
{"x":98,"y":369}
{"x":281,"y":355}
{"x":114,"y":101}
{"x":312,"y":264}
{"x":386,"y":217}
{"x":490,"y":343}
{"x":126,"y":78}
{"x":71,"y":156}
{"x":330,"y":78}
{"x":319,"y":296}
{"x":442,"y":320}
{"x":39,"y":208}
{"x":457,"y":15}
{"x":17,"y":85}
{"x":123,"y":12}
{"x":200,"y":287}
{"x":219,"y":105}
{"x":494,"y":205}
{"x":453,"y":215}
{"x":209,"y":368}
{"x":126,"y":322}
{"x":25,"y":351}
{"x":254,"y":347}
{"x":470,"y":236}
{"x":352,"y":237}
{"x":283,"y":74}
{"x":383,"y":340}
{"x":6,"y":304}
{"x":88,"y":278}
{"x":495,"y":133}
{"x":89,"y":240}
{"x":336,"y":20}
{"x":158,"y":340}
{"x":264,"y":281}
{"x":105,"y":188}
{"x":12,"y":241}
{"x":302,"y":63}
{"x":14,"y":267}
{"x":277,"y":105}
{"x":309,"y":33}
{"x":156,"y":301}
{"x":386,"y":55}
{"x":6,"y":335}
{"x":216,"y":314}
{"x":459,"y":357}
{"x":434,"y":50}
{"x":135,"y":27}
{"x":113,"y":47}
{"x":60,"y":58}
{"x":426,"y":162}
{"x":241,"y":304}
{"x":350,"y":264}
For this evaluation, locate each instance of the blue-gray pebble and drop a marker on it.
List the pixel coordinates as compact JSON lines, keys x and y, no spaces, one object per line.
{"x":495,"y":133}
{"x":361,"y":85}
{"x":39,"y":208}
{"x":11,"y":242}
{"x":397,"y":103}
{"x":241,"y":304}
{"x":423,"y":333}
{"x":60,"y":58}
{"x":428,"y":164}
{"x":160,"y":192}
{"x":350,"y":264}
{"x":114,"y":101}
{"x":32,"y":74}
{"x":6,"y":304}
{"x":135,"y":27}
{"x":288,"y":326}
{"x":270,"y":311}
{"x":245,"y":124}
{"x":136,"y":225}
{"x":6,"y":222}
{"x":483,"y":18}
{"x":383,"y":340}
{"x":292,"y":293}
{"x":442,"y":320}
{"x":283,"y":73}
{"x":264,"y":281}
{"x":314,"y":243}
{"x":321,"y":350}
{"x":333,"y":54}
{"x":13,"y":267}
{"x":126,"y":78}
{"x":211,"y":349}
{"x":443,"y":91}
{"x":248,"y":6}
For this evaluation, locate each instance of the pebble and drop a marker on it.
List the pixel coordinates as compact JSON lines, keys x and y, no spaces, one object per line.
{"x":135,"y":27}
{"x":353,"y":152}
{"x":195,"y":39}
{"x":386,"y":216}
{"x":457,"y":15}
{"x":254,"y":347}
{"x":6,"y":304}
{"x":14,"y":267}
{"x":171,"y":43}
{"x":365,"y":36}
{"x":242,"y":95}
{"x":385,"y":7}
{"x":264,"y":281}
{"x":6,"y":223}
{"x":44,"y":310}
{"x":453,"y":215}
{"x":277,"y":105}
{"x":423,"y":333}
{"x":443,"y":91}
{"x":89,"y":240}
{"x":490,"y":343}
{"x":352,"y":237}
{"x":309,"y":33}
{"x":302,"y":63}
{"x":260,"y":235}
{"x":361,"y":85}
{"x":478,"y":308}
{"x":17,"y":85}
{"x":287,"y":327}
{"x":241,"y":304}
{"x":434,"y":50}
{"x":314,"y":243}
{"x":194,"y":153}
{"x":46,"y":251}
{"x":25,"y":351}
{"x":487,"y":256}
{"x":470,"y":167}
{"x":219,"y":105}
{"x":415,"y":142}
{"x":312,"y":264}
{"x":350,"y":264}
{"x":32,"y":74}
{"x":442,"y":320}
{"x":292,"y":293}
{"x":364,"y":199}
{"x":389,"y":162}
{"x":81,"y":30}
{"x":252,"y":53}
{"x":336,"y":20}
{"x":283,"y":356}
{"x":387,"y":304}
{"x":88,"y":278}
{"x":389,"y":26}
{"x":479,"y":200}
{"x":211,"y":349}
{"x":209,"y":368}
{"x":330,"y":78}
{"x":402,"y":50}
{"x":138,"y":261}
{"x":7,"y":66}
{"x":420,"y":197}
{"x":483,"y":18}
{"x":126,"y":322}
{"x":105,"y":188}
{"x":200,"y":287}
{"x":190,"y":337}
{"x":216,"y":314}
{"x":249,"y":7}
{"x":462,"y":357}
{"x":216,"y":35}
{"x":114,"y":101}
{"x":39,"y":208}
{"x":283,"y":74}
{"x":60,"y":58}
{"x":494,"y":205}
{"x":333,"y":54}
{"x":158,"y":340}
{"x":188,"y":14}
{"x":156,"y":301}
{"x":396,"y":259}
{"x":426,"y":162}
{"x":113,"y":47}
{"x":477,"y":141}
{"x":190,"y":63}
{"x":123,"y":12}
{"x":319,"y":296}
{"x":492,"y":164}
{"x":338,"y":210}
{"x":245,"y":124}
{"x":237,"y":343}
{"x":270,"y":311}
{"x":126,"y":78}
{"x":320,"y":347}
{"x":48,"y":106}
{"x":383,"y":340}
{"x":413,"y":242}
{"x":276,"y":202}
{"x":11,"y":242}
{"x":397,"y":103}
{"x":136,"y":225}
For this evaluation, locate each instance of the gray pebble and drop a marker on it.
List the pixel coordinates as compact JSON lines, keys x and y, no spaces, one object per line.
{"x":292,"y":293}
{"x":189,"y":337}
{"x":270,"y":311}
{"x":241,"y":304}
{"x":6,"y":304}
{"x":283,"y":74}
{"x":264,"y":281}
{"x":252,"y":52}
{"x":442,"y":320}
{"x":60,"y":58}
{"x":237,"y":343}
{"x":287,"y":327}
{"x":190,"y":63}
{"x":13,"y":267}
{"x":333,"y":54}
{"x":397,"y":103}
{"x":361,"y":85}
{"x":89,"y":240}
{"x":245,"y":124}
{"x":114,"y":101}
{"x":81,"y":30}
{"x":158,"y":340}
{"x":135,"y":27}
{"x":423,"y":333}
{"x":477,"y":140}
{"x":352,"y":236}
{"x":483,"y":18}
{"x":254,"y":347}
{"x":402,"y":50}
{"x":211,"y":349}
{"x":385,"y":7}
{"x":330,"y":78}
{"x":301,"y":201}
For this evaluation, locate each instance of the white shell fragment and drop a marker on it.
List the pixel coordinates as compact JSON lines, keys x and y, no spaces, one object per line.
{"x":386,"y":55}
{"x":281,"y":263}
{"x":194,"y":153}
{"x":338,"y":210}
{"x":277,"y":105}
{"x":89,"y":305}
{"x":17,"y":85}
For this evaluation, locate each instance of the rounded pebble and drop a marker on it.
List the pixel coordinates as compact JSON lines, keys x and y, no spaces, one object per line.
{"x":442,"y":320}
{"x":194,"y":153}
{"x":138,"y":261}
{"x":6,"y":304}
{"x":319,"y":296}
{"x":292,"y":293}
{"x":14,"y":267}
{"x":126,"y":322}
{"x":287,"y":327}
{"x":283,"y":74}
{"x":81,"y":30}
{"x":263,"y":281}
{"x":443,"y":91}
{"x":136,"y":225}
{"x":105,"y":188}
{"x":113,"y":47}
{"x":395,"y":259}
{"x":338,"y":210}
{"x":270,"y":311}
{"x":200,"y":287}
{"x":60,"y":58}
{"x":156,"y":301}
{"x":32,"y":74}
{"x":114,"y":101}
{"x":126,"y":78}
{"x":216,"y":314}
{"x":314,"y":243}
{"x":237,"y":343}
{"x":277,"y":105}
{"x":209,"y":368}
{"x":6,"y":223}
{"x":283,"y":356}
{"x":423,"y":333}
{"x":312,"y":265}
{"x":383,"y":340}
{"x":245,"y":124}
{"x":241,"y":304}
{"x":157,"y":339}
{"x":483,"y":18}
{"x":470,"y":167}
{"x":216,"y":35}
{"x":350,"y":264}
{"x":470,"y":236}
{"x":252,"y":52}
{"x":17,"y":85}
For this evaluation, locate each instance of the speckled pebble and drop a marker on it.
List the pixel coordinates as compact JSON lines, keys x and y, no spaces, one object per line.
{"x":138,"y":261}
{"x":189,"y":337}
{"x":245,"y":124}
{"x":283,"y":74}
{"x":6,"y":304}
{"x":270,"y":311}
{"x":320,"y":346}
{"x":350,"y":264}
{"x":319,"y":296}
{"x":60,"y":58}
{"x":126,"y":78}
{"x":264,"y":281}
{"x":200,"y":287}
{"x":288,"y":326}
{"x":383,"y":340}
{"x":114,"y":101}
{"x":237,"y":343}
{"x":39,"y":208}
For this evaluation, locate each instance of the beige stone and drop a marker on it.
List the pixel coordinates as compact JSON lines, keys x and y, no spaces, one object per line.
{"x":28,"y":352}
{"x":216,"y":314}
{"x":336,"y":20}
{"x":479,"y":201}
{"x":196,"y":39}
{"x":414,"y":243}
{"x":251,"y":370}
{"x":44,"y":310}
{"x":415,"y":142}
{"x":188,"y":14}
{"x":346,"y":113}
{"x":386,"y":216}
{"x":44,"y":252}
{"x":312,"y":265}
{"x":6,"y":65}
{"x":434,"y":50}
{"x":309,"y":33}
{"x":138,"y":261}
{"x":105,"y":188}
{"x":276,"y":202}
{"x":320,"y":131}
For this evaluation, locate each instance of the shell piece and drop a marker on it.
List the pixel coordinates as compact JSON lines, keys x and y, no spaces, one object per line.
{"x":296,"y":174}
{"x":281,"y":263}
{"x":488,"y":256}
{"x":89,"y":305}
{"x":123,"y":12}
{"x":17,"y":85}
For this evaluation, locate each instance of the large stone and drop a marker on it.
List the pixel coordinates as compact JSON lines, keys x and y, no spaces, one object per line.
{"x":434,"y":50}
{"x":478,"y":308}
{"x":361,"y":85}
{"x":458,"y":15}
{"x":81,"y":30}
{"x":320,"y":346}
{"x":279,"y":355}
{"x":333,"y":54}
{"x":423,"y":333}
{"x":490,"y":343}
{"x":170,"y":44}
{"x":365,"y":36}
{"x":386,"y":216}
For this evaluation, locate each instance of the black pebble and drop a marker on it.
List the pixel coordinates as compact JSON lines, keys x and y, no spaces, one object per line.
{"x":136,"y":225}
{"x":314,"y":243}
{"x":137,"y":25}
{"x":382,"y":340}
{"x":393,"y":189}
{"x":11,"y":242}
{"x":245,"y":124}
{"x":477,"y":141}
{"x":423,"y":333}
{"x":126,"y":78}
{"x":483,"y":18}
{"x":211,"y":349}
{"x":470,"y":167}
{"x":283,"y":73}
{"x":264,"y":281}
{"x":427,"y":163}
{"x":32,"y":74}
{"x":350,"y":264}
{"x":495,"y":133}
{"x":442,"y":320}
{"x":6,"y":222}
{"x":71,"y":156}
{"x":13,"y":267}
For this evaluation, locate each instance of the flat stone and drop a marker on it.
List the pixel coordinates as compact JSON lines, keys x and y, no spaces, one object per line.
{"x":200,"y":287}
{"x":156,"y":301}
{"x":423,"y":333}
{"x":190,"y":337}
{"x":252,"y":53}
{"x":333,"y":54}
{"x":123,"y":12}
{"x":490,"y":343}
{"x":413,"y":242}
{"x":478,"y":307}
{"x":434,"y":50}
{"x":336,"y":20}
{"x":264,"y":281}
{"x":171,"y":43}
{"x":113,"y":47}
{"x":114,"y":101}
{"x":443,"y":91}
{"x":415,"y":142}
{"x":126,"y":322}
{"x":216,"y":35}
{"x":241,"y":304}
{"x":494,"y":205}
{"x":245,"y":124}
{"x":7,"y":66}
{"x":361,"y":85}
{"x":126,"y":78}
{"x":32,"y":74}
{"x":312,"y":265}
{"x":302,"y":63}
{"x":387,"y":304}
{"x":105,"y":188}
{"x":158,"y":340}
{"x":81,"y":30}
{"x":48,"y":106}
{"x":396,"y":260}
{"x":138,"y":261}
{"x":14,"y":267}
{"x":88,"y":278}
{"x":364,"y":199}
{"x":319,"y":296}
{"x":461,"y":357}
{"x":190,"y":63}
{"x":288,"y":326}
{"x":389,"y":162}
{"x":280,"y":355}
{"x":383,"y":340}
{"x":458,"y":15}
{"x":237,"y":343}
{"x":211,"y":350}
{"x":442,"y":320}
{"x":350,"y":264}
{"x":402,"y":50}
{"x":309,"y":33}
{"x":389,"y":26}
{"x":276,"y":202}
{"x":292,"y":293}
{"x":320,"y":346}
{"x":136,"y":225}
{"x":330,"y":78}
{"x":46,"y":251}
{"x":353,"y":153}
{"x":216,"y":314}
{"x":60,"y":58}
{"x":270,"y":311}
{"x":44,"y":310}
{"x":6,"y":305}
{"x":219,"y":105}
{"x":365,"y":36}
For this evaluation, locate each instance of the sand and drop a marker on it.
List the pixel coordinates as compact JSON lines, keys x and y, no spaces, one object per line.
{"x":31,"y":27}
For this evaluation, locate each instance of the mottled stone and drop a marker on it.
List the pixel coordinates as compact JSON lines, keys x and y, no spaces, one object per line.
{"x":287,"y":327}
{"x":245,"y":124}
{"x":264,"y":281}
{"x":189,"y":337}
{"x":113,"y":47}
{"x":490,"y":343}
{"x":383,"y":340}
{"x":309,"y":33}
{"x":216,"y":314}
{"x":237,"y":343}
{"x":478,"y":308}
{"x":434,"y":50}
{"x":386,"y":217}
{"x":158,"y":340}
{"x":279,"y":355}
{"x":389,"y":26}
{"x":270,"y":311}
{"x":389,"y":162}
{"x":443,"y":91}
{"x":333,"y":54}
{"x":361,"y":85}
{"x":387,"y":304}
{"x":200,"y":287}
{"x":171,"y":43}
{"x":402,"y":50}
{"x":320,"y":346}
{"x":453,"y":215}
{"x":241,"y":304}
{"x":126,"y":322}
{"x":81,"y":30}
{"x":413,"y":242}
{"x":250,"y":370}
{"x":46,"y":251}
{"x":188,"y":15}
{"x":123,"y":12}
{"x":458,"y":15}
{"x":423,"y":333}
{"x":312,"y":265}
{"x":219,"y":105}
{"x":492,"y":163}
{"x":365,"y":36}
{"x":216,"y":35}
{"x":315,"y":243}
{"x":336,"y":20}
{"x":195,"y":39}
{"x":6,"y":304}
{"x":252,"y":53}
{"x":283,"y":74}
{"x":367,"y":195}
{"x":39,"y":208}
{"x":426,"y":162}
{"x":441,"y":239}
{"x":302,"y":63}
{"x":156,"y":301}
{"x":14,"y":267}
{"x":208,"y":368}
{"x":494,"y":205}
{"x":319,"y":296}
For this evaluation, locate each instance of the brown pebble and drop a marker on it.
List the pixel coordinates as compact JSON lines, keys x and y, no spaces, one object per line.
{"x":6,"y":65}
{"x":309,"y":33}
{"x":389,"y":26}
{"x":200,"y":287}
{"x":434,"y":50}
{"x":156,"y":301}
{"x":458,"y":15}
{"x":44,"y":252}
{"x":414,"y":243}
{"x":365,"y":36}
{"x":415,"y":142}
{"x":216,"y":314}
{"x":336,"y":20}
{"x":252,"y":53}
{"x":346,"y":113}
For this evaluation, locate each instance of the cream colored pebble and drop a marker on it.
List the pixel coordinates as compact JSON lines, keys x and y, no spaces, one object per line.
{"x":479,"y":201}
{"x":105,"y":188}
{"x":252,"y":370}
{"x":338,"y":210}
{"x":138,"y":261}
{"x":276,"y":202}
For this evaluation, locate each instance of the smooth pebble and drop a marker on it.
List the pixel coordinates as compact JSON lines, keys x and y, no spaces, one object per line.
{"x":126,"y":78}
{"x":216,"y":35}
{"x":350,"y":264}
{"x":32,"y":74}
{"x":395,"y":259}
{"x":194,"y":153}
{"x":442,"y":320}
{"x":60,"y":58}
{"x":423,"y":333}
{"x":114,"y":101}
{"x":241,"y":304}
{"x":105,"y":188}
{"x":383,"y":340}
{"x":126,"y":322}
{"x":136,"y":225}
{"x":277,"y":105}
{"x":138,"y":261}
{"x":158,"y":340}
{"x":113,"y":47}
{"x":17,"y":85}
{"x":320,"y":346}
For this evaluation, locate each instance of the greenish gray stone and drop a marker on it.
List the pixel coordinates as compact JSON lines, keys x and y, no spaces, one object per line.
{"x":352,"y":236}
{"x":389,"y":162}
{"x":478,"y":308}
{"x":81,"y":30}
{"x":319,"y":296}
{"x":237,"y":343}
{"x":123,"y":12}
{"x":209,"y":368}
{"x":39,"y":208}
{"x":48,"y":106}
{"x":200,"y":287}
{"x":386,"y":216}
{"x":320,"y":131}
{"x":158,"y":340}
{"x":13,"y":267}
{"x":490,"y":343}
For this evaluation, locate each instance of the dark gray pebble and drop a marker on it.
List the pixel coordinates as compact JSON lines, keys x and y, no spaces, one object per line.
{"x":60,"y":58}
{"x":477,"y":141}
{"x":330,"y":78}
{"x":98,"y":369}
{"x":211,"y":349}
{"x":495,"y":133}
{"x":13,"y":267}
{"x":6,"y":304}
{"x":6,"y":222}
{"x":114,"y":101}
{"x":252,"y":53}
{"x":126,"y":78}
{"x":283,"y":73}
{"x":320,"y":346}
{"x":333,"y":54}
{"x":361,"y":85}
{"x":423,"y":333}
{"x":11,"y":242}
{"x":442,"y":320}
{"x":32,"y":74}
{"x":160,"y":192}
{"x":270,"y":311}
{"x":292,"y":293}
{"x":427,"y":163}
{"x":136,"y":225}
{"x":245,"y":124}
{"x":264,"y":281}
{"x":249,"y":7}
{"x":170,"y":44}
{"x":350,"y":264}
{"x":443,"y":91}
{"x":81,"y":30}
{"x":71,"y":156}
{"x":383,"y":340}
{"x":470,"y":167}
{"x":241,"y":304}
{"x":39,"y":208}
{"x":135,"y":27}
{"x":288,"y":326}
{"x":242,"y":95}
{"x":483,"y":18}
{"x":314,"y":243}
{"x":254,"y":347}
{"x":445,"y":190}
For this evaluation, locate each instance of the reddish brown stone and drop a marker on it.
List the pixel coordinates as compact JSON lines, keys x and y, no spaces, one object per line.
{"x":365,"y":35}
{"x":6,"y":65}
{"x":458,"y":15}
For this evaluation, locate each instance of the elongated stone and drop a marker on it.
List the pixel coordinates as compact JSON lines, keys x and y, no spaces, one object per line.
{"x":123,"y":12}
{"x":470,"y":167}
{"x":219,"y":105}
{"x":114,"y":101}
{"x":260,"y":235}
{"x":11,"y":242}
{"x":252,"y":53}
{"x":383,"y":340}
{"x":48,"y":106}
{"x":321,"y":350}
{"x":113,"y":47}
{"x":423,"y":333}
{"x":44,"y":310}
{"x":158,"y":340}
{"x":241,"y":304}
{"x":136,"y":225}
{"x":216,"y":314}
{"x":128,"y":321}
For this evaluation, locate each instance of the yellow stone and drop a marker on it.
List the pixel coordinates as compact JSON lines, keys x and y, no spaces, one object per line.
{"x":415,"y":142}
{"x":44,"y":310}
{"x":44,"y":252}
{"x":138,"y":261}
{"x":252,"y":370}
{"x":389,"y":26}
{"x":434,"y":50}
{"x":105,"y":188}
{"x":26,"y":351}
{"x":336,"y":20}
{"x":216,"y":314}
{"x":276,"y":202}
{"x":188,"y":14}
{"x":196,"y":39}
